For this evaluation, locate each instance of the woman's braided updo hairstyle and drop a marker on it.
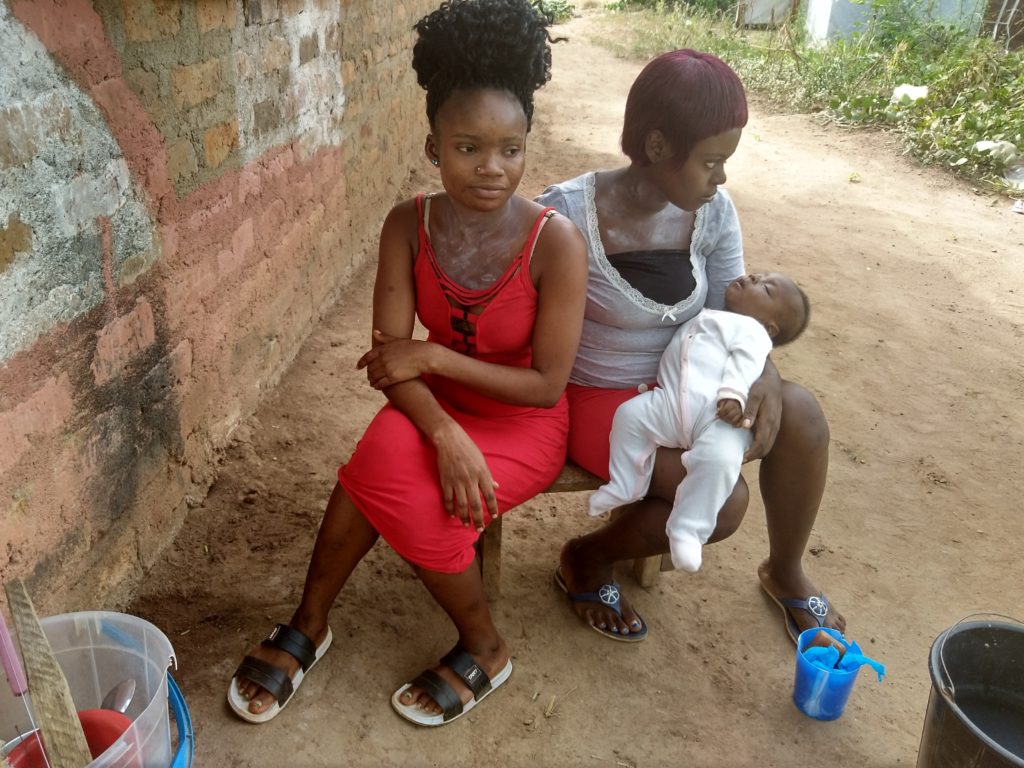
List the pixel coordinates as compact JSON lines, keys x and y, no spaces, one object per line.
{"x":475,"y":44}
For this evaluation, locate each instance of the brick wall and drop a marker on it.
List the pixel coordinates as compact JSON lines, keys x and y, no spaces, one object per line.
{"x":184,"y":187}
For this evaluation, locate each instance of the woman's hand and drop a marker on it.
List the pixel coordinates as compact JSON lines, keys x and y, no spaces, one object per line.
{"x":763,"y":413}
{"x":394,"y":360}
{"x":465,"y":477}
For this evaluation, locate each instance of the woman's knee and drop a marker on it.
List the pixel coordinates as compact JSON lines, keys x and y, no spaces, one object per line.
{"x":731,"y":515}
{"x":669,"y":473}
{"x":803,"y":426}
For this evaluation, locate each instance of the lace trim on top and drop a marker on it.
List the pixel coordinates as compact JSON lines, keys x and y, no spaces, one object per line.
{"x":466,"y":305}
{"x":667,"y":311}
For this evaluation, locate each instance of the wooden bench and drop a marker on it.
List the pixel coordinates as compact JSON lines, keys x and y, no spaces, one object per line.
{"x":571,"y":479}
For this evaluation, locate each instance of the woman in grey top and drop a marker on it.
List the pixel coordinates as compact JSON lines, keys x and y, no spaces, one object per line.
{"x":664,"y":241}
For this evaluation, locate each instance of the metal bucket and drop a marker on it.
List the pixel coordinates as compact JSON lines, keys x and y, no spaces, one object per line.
{"x":975,"y":715}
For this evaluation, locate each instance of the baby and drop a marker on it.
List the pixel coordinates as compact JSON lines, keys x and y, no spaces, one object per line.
{"x":705,"y":375}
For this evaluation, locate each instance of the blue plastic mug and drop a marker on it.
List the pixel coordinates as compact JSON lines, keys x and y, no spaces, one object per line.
{"x":822,"y":693}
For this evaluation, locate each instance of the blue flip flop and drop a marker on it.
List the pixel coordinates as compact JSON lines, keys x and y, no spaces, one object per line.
{"x":815,"y":605}
{"x":607,"y":594}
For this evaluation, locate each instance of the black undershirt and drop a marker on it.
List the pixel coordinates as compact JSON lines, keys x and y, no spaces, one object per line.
{"x":664,"y":276}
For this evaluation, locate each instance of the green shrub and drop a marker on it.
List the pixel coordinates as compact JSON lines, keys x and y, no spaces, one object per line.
{"x":558,"y":10}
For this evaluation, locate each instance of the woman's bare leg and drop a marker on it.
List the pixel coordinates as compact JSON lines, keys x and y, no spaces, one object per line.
{"x":461,"y":595}
{"x":343,"y":540}
{"x":792,"y":481}
{"x":637,"y":531}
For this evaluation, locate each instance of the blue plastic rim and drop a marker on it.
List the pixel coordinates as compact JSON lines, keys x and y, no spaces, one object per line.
{"x":186,"y":740}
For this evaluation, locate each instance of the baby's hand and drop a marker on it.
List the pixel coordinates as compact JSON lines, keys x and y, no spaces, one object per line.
{"x":730,"y":412}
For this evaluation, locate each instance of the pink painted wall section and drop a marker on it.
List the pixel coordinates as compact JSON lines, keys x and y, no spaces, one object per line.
{"x":43,"y":413}
{"x":184,"y":188}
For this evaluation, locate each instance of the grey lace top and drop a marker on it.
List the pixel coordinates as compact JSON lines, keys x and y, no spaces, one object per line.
{"x":624,"y":332}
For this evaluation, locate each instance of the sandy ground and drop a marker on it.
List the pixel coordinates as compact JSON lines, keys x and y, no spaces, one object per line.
{"x":914,"y":350}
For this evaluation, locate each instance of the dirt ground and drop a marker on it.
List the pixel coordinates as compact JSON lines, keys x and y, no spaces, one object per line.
{"x":914,"y":349}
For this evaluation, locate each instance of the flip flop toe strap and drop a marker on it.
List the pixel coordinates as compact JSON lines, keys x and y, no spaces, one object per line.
{"x":472,"y":674}
{"x":607,"y":594}
{"x":293,"y":642}
{"x":273,"y":680}
{"x":441,"y":692}
{"x":816,"y":605}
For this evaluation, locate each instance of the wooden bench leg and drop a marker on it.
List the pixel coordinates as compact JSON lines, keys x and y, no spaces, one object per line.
{"x":571,"y":479}
{"x":646,"y":570}
{"x":488,"y":550}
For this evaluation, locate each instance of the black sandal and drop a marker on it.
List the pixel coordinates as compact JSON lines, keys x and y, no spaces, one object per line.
{"x":472,"y":674}
{"x":275,"y":680}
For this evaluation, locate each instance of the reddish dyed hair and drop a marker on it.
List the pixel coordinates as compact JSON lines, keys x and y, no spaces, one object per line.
{"x":687,"y":95}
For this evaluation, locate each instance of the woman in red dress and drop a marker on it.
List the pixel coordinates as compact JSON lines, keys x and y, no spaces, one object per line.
{"x":476,"y":420}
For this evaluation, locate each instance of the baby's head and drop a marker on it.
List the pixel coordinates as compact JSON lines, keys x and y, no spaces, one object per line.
{"x":774,"y":300}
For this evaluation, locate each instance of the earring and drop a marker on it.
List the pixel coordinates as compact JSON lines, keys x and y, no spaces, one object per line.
{"x":434,"y":161}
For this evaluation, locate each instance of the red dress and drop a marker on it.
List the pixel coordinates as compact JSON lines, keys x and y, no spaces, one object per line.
{"x":393,"y":477}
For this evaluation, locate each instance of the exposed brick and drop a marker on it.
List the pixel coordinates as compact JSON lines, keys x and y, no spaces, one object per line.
{"x":249,"y":184}
{"x":270,"y":221}
{"x":118,"y":342}
{"x":16,"y":237}
{"x":278,"y":165}
{"x":276,"y":54}
{"x":19,"y":134}
{"x":219,"y":142}
{"x":243,"y":65}
{"x":348,"y":71}
{"x":208,"y":215}
{"x":309,"y":48}
{"x":333,"y":38}
{"x":242,"y":242}
{"x":146,"y":86}
{"x":271,"y":10}
{"x":181,"y":161}
{"x":190,"y":286}
{"x":292,"y":103}
{"x":230,"y":259}
{"x":252,"y":11}
{"x":215,"y":14}
{"x":195,"y":83}
{"x":147,"y":20}
{"x":43,"y":413}
{"x":266,"y":117}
